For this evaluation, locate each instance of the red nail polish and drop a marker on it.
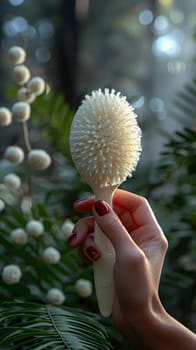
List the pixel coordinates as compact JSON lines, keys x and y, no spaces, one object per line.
{"x":101,"y":207}
{"x":72,"y":239}
{"x":92,"y":253}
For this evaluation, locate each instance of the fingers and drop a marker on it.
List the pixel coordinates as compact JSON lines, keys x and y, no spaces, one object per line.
{"x":113,"y":228}
{"x":82,"y":238}
{"x":85,"y":205}
{"x":137,"y":225}
{"x":89,"y":249}
{"x":81,"y":229}
{"x":138,"y":206}
{"x":133,"y":210}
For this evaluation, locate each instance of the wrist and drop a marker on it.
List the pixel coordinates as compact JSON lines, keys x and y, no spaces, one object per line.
{"x":155,"y":329}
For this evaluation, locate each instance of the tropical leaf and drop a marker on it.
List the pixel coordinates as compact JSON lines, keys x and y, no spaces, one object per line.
{"x":53,"y":116}
{"x":35,"y":326}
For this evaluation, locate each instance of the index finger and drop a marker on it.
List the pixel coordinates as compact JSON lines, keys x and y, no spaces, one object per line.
{"x":137,"y":206}
{"x":84,"y":205}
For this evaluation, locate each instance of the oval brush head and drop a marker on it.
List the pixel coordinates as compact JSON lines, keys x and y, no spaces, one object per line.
{"x":105,"y":139}
{"x":105,"y":143}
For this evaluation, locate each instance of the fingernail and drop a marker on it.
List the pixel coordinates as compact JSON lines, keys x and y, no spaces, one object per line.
{"x":92,"y":253}
{"x":78,"y":201}
{"x":72,"y":239}
{"x":101,"y":207}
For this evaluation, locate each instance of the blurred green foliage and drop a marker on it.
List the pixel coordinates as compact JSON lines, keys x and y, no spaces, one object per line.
{"x":170,"y":189}
{"x":173,"y":193}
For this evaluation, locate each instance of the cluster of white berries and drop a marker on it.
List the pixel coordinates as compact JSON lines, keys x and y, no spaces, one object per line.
{"x":11,"y":274}
{"x":34,"y":228}
{"x":56,"y":297}
{"x":29,"y":89}
{"x":35,"y":86}
{"x":83,"y":288}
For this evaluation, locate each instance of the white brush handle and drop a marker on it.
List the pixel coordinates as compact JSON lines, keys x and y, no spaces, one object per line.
{"x":103,"y":268}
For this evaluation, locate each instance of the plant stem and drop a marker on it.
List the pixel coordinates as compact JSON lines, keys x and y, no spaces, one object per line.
{"x":26,"y":136}
{"x":28,"y":147}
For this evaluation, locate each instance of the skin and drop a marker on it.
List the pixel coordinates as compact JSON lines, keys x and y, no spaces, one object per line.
{"x":140,"y":247}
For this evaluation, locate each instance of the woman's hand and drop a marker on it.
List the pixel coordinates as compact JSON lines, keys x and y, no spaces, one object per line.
{"x":140,"y":248}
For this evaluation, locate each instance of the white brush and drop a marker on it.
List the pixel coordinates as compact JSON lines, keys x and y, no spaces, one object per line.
{"x":105,"y":143}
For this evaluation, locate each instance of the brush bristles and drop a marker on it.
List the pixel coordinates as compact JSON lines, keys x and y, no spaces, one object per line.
{"x":105,"y":140}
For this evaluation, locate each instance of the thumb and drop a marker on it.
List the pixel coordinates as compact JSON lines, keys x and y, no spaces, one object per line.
{"x":113,"y":228}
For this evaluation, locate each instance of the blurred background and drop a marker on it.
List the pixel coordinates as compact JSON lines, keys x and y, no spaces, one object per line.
{"x":145,"y":49}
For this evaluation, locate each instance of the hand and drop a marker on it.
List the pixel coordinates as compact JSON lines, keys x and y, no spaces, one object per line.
{"x":140,"y":249}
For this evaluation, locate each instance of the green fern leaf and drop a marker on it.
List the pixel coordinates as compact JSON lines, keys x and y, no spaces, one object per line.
{"x":49,"y":327}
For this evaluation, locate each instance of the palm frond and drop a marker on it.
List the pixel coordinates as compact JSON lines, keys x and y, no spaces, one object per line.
{"x":36,"y":326}
{"x":185,"y":102}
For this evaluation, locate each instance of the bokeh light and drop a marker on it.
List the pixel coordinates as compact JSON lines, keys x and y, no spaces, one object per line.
{"x":166,"y":45}
{"x":145,"y":17}
{"x":16,"y":2}
{"x":42,"y":54}
{"x":138,"y":48}
{"x":14,"y":26}
{"x":30,"y":32}
{"x":156,"y":104}
{"x":45,"y":28}
{"x":139,"y":103}
{"x":161,"y":24}
{"x":166,"y":3}
{"x":176,"y":16}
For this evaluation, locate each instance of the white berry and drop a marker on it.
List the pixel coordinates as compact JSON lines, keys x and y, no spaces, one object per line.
{"x":12,"y":181}
{"x":67,"y":228}
{"x":14,"y":154}
{"x":5,"y":116}
{"x":16,"y":54}
{"x":21,"y":74}
{"x":11,"y":274}
{"x":35,"y":228}
{"x":39,"y":159}
{"x":55,"y":296}
{"x":21,"y":111}
{"x":25,"y":95}
{"x":83,"y":287}
{"x":19,"y":236}
{"x":36,"y":85}
{"x":51,"y":255}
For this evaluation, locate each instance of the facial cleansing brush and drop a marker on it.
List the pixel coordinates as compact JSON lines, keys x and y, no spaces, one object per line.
{"x":105,"y":143}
